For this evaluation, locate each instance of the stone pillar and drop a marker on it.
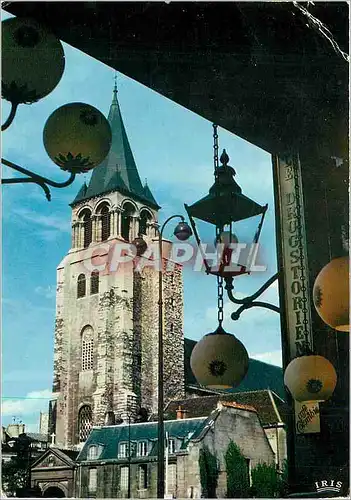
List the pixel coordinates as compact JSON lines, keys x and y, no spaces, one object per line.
{"x":98,"y":228}
{"x":118,"y":222}
{"x":94,"y":228}
{"x":112,"y":223}
{"x":80,"y":238}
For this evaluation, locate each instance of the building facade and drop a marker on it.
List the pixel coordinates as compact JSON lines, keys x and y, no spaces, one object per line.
{"x":105,"y":466}
{"x":105,"y":353}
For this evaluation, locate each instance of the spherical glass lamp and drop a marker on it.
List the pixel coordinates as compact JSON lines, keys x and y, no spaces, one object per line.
{"x":33,"y":61}
{"x":77,"y":137}
{"x":182,"y":231}
{"x":310,"y":378}
{"x":140,"y":245}
{"x":331,"y":295}
{"x":219,"y":361}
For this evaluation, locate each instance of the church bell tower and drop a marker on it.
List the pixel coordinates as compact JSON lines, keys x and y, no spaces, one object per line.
{"x":106,"y":332}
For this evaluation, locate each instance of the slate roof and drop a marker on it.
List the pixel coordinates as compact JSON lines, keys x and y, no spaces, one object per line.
{"x":118,"y":171}
{"x":259,"y":376}
{"x":111,"y":436}
{"x":266,"y":403}
{"x":36,"y":436}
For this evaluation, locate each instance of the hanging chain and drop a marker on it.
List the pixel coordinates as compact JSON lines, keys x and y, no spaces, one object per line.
{"x":308,"y":340}
{"x":218,"y":229}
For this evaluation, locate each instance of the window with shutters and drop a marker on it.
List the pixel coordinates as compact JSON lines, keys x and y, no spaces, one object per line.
{"x":124,"y":479}
{"x":81,"y":286}
{"x":85,"y":422}
{"x":142,"y":479}
{"x":87,"y":354}
{"x":94,"y":283}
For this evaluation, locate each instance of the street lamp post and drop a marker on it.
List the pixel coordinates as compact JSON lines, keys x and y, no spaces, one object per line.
{"x":182,"y":232}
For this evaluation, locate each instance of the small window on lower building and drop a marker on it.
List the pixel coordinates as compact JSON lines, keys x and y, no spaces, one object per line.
{"x":92,"y":486}
{"x":94,"y":283}
{"x":143,"y":477}
{"x":172,"y":478}
{"x":124,"y":479}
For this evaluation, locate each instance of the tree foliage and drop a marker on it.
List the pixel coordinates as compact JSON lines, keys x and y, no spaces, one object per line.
{"x":265,"y":481}
{"x":209,"y":471}
{"x":13,"y":475}
{"x":238,"y":482}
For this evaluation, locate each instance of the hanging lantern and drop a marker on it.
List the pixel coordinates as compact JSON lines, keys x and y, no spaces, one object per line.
{"x":33,"y":61}
{"x":140,"y":245}
{"x":223,"y":207}
{"x":77,"y":137}
{"x":182,"y":231}
{"x":331,"y":296}
{"x":219,"y":361}
{"x":310,"y":378}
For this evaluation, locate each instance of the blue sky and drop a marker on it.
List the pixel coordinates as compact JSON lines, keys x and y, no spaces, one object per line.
{"x":173,"y":150}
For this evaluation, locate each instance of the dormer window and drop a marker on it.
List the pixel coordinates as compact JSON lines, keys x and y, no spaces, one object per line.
{"x":142,"y":449}
{"x":92,"y":452}
{"x":171,"y":446}
{"x":122,"y":450}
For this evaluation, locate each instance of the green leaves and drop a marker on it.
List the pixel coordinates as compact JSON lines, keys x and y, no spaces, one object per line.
{"x":208,"y":465}
{"x":238,"y":480}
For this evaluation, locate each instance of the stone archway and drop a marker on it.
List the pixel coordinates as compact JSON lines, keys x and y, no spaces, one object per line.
{"x":54,"y":491}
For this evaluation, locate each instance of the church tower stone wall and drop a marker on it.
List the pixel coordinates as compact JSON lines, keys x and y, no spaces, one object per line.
{"x":106,"y":333}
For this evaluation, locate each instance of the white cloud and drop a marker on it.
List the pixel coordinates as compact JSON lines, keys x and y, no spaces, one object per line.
{"x":32,"y":403}
{"x":272,"y":357}
{"x":54,"y":222}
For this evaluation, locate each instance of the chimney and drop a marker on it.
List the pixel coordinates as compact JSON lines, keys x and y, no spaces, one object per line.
{"x":181,"y":413}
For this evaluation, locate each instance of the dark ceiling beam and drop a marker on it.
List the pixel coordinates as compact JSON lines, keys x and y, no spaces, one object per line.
{"x":254,"y":68}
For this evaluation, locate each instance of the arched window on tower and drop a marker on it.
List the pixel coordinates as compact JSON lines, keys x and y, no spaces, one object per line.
{"x":87,"y":351}
{"x":94,"y":282}
{"x":81,"y":286}
{"x":145,"y":217}
{"x":85,"y":422}
{"x":105,"y":222}
{"x":127,"y":214}
{"x":85,"y":216}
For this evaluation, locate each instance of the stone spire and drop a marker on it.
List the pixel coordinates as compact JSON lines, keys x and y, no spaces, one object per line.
{"x":118,"y":172}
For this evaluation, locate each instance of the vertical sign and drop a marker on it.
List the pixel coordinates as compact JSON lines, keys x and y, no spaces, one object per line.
{"x":292,"y":239}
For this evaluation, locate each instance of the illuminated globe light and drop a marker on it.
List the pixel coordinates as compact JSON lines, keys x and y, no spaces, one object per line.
{"x":331,"y":296}
{"x":310,"y":379}
{"x":77,"y":137}
{"x":33,"y":61}
{"x":219,"y":361}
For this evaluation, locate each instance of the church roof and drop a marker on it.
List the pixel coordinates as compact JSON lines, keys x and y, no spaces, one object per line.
{"x":118,"y":171}
{"x":259,"y":376}
{"x":270,"y":408}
